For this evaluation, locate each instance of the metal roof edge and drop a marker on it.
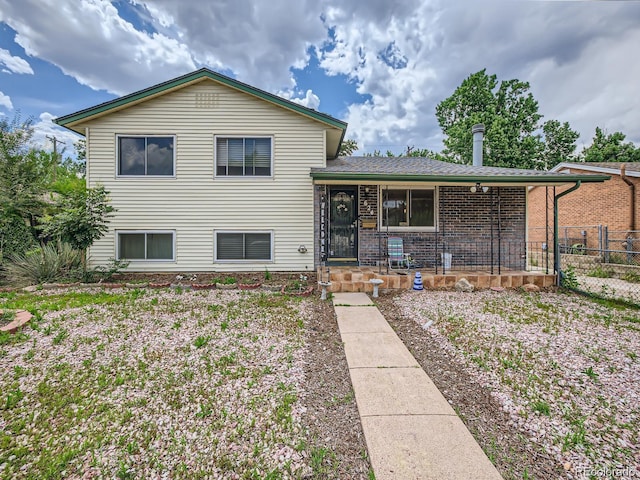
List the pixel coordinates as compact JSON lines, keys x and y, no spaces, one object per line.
{"x":591,"y":168}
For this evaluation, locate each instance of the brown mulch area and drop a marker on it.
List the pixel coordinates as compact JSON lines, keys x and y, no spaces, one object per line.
{"x":509,"y":450}
{"x":332,"y":415}
{"x":207,"y":277}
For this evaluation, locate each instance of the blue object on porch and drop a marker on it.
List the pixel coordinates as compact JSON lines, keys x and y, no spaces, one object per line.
{"x":417,"y":282}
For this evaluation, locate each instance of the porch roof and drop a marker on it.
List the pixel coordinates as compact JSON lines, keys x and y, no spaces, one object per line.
{"x":418,"y":169}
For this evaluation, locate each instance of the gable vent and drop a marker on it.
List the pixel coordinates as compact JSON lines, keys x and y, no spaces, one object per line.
{"x":206,"y":100}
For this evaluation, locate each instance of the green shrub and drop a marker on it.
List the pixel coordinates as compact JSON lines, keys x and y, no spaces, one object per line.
{"x":15,"y":237}
{"x":632,"y":277}
{"x":105,"y":272}
{"x":569,"y":279}
{"x":599,"y":272}
{"x":51,"y":263}
{"x":227,"y":281}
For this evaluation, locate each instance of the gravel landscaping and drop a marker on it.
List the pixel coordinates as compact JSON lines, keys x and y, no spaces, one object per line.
{"x":549,"y":383}
{"x":142,"y":383}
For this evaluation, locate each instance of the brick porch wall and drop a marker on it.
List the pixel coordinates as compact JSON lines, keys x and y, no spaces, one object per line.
{"x":464,"y":223}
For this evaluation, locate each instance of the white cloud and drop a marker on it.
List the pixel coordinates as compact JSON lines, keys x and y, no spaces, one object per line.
{"x":406,"y":57}
{"x":5,"y":101}
{"x":577,"y":57}
{"x":14,"y":64}
{"x":310,"y":99}
{"x":44,"y":129}
{"x":258,"y":41}
{"x":88,"y":40}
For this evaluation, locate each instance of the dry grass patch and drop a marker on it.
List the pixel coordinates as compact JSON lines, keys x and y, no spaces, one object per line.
{"x":146,"y":384}
{"x":564,"y":368}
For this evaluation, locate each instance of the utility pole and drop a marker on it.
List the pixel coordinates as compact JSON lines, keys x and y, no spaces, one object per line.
{"x":55,"y":155}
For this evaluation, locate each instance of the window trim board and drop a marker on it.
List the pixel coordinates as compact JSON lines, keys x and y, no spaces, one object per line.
{"x":244,"y":137}
{"x":138,"y":232}
{"x":271,"y":246}
{"x":145,"y":135}
{"x":409,"y":228}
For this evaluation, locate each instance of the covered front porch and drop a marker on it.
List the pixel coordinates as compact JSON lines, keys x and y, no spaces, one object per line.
{"x":357,"y":279}
{"x":453,"y":220}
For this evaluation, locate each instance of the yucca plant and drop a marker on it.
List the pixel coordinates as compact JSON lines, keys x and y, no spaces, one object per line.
{"x":50,"y":263}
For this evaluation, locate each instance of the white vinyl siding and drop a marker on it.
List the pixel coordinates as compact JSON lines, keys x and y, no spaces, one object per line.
{"x":196,"y":202}
{"x":145,"y":245}
{"x":243,"y":246}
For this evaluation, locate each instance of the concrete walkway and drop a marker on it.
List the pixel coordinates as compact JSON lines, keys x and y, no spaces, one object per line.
{"x":410,"y":429}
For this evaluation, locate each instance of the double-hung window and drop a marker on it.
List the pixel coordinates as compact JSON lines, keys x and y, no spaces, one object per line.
{"x":408,"y":208}
{"x":146,"y":156}
{"x":243,"y":246}
{"x":146,"y":245}
{"x":243,"y":156}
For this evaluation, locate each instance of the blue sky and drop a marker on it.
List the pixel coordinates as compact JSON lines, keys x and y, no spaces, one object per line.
{"x":381,"y":66}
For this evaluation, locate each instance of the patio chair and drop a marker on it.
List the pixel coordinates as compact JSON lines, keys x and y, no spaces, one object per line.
{"x":398,"y":260}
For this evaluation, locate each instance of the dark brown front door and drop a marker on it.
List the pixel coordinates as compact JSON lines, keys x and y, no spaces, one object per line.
{"x":343,"y":224}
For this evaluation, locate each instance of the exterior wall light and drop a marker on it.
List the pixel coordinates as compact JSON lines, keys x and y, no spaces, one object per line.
{"x":477,"y":188}
{"x":302,"y":249}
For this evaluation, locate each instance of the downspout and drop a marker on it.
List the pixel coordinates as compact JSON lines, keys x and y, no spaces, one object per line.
{"x":556,"y":252}
{"x":632,"y":188}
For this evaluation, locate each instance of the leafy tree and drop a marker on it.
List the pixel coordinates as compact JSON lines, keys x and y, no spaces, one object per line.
{"x":378,"y":153}
{"x":512,"y":124}
{"x":348,"y":147}
{"x":559,"y":143}
{"x":81,"y":220}
{"x":23,"y":173}
{"x":610,"y":148}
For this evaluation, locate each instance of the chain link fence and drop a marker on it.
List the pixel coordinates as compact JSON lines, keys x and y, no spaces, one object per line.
{"x":601,"y":262}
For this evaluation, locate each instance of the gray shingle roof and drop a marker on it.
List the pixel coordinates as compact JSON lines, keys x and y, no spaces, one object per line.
{"x":428,"y":169}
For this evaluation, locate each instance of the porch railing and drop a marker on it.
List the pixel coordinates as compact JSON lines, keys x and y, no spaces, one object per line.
{"x":485,"y":256}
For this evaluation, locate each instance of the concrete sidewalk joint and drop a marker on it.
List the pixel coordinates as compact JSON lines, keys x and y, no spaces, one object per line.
{"x":410,"y":429}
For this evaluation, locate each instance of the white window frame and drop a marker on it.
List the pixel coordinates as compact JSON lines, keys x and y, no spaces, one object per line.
{"x":160,"y":135}
{"x":153,"y":260}
{"x":253,"y":177}
{"x":215,"y":246}
{"x":408,"y":228}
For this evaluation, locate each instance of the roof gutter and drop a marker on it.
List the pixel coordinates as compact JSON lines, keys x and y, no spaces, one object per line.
{"x":556,"y":256}
{"x":632,"y":189}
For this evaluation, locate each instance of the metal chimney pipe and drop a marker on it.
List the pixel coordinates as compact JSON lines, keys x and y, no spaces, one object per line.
{"x":478,"y":137}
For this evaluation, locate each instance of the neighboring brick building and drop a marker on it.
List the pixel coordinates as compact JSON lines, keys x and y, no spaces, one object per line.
{"x":612,"y":204}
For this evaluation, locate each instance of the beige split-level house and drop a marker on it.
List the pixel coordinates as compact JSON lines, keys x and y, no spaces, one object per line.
{"x":211,"y":174}
{"x":206,"y":173}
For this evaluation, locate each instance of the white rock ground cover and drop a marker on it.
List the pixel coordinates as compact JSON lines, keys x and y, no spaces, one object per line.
{"x":564,"y":367}
{"x":155,"y":384}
